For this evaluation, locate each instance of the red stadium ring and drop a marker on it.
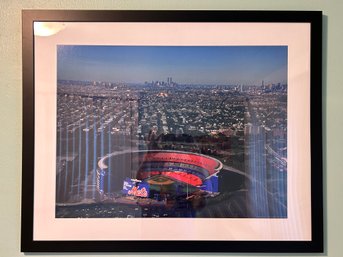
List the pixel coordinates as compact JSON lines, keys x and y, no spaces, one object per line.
{"x":184,"y":167}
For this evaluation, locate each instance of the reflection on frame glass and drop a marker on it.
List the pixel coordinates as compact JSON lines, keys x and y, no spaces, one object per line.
{"x":208,"y":141}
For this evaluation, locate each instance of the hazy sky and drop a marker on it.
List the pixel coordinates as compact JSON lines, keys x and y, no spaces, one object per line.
{"x":185,"y":64}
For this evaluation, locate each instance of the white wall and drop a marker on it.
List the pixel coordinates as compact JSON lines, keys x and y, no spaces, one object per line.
{"x":11,"y":98}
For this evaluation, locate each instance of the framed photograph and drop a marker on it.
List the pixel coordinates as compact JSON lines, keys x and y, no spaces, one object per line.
{"x":172,"y":131}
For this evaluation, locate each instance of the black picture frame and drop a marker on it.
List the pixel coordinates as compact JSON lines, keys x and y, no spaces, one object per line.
{"x":29,"y":244}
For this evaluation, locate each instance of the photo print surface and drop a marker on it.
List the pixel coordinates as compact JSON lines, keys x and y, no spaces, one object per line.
{"x":171,"y":131}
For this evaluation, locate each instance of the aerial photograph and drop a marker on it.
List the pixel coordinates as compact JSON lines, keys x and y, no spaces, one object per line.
{"x":171,"y":131}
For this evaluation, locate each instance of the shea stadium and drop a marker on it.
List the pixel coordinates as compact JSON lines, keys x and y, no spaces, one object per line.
{"x":163,"y":183}
{"x":160,"y":174}
{"x":172,"y":184}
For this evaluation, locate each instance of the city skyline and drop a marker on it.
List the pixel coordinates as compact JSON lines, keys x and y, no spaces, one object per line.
{"x":248,"y":65}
